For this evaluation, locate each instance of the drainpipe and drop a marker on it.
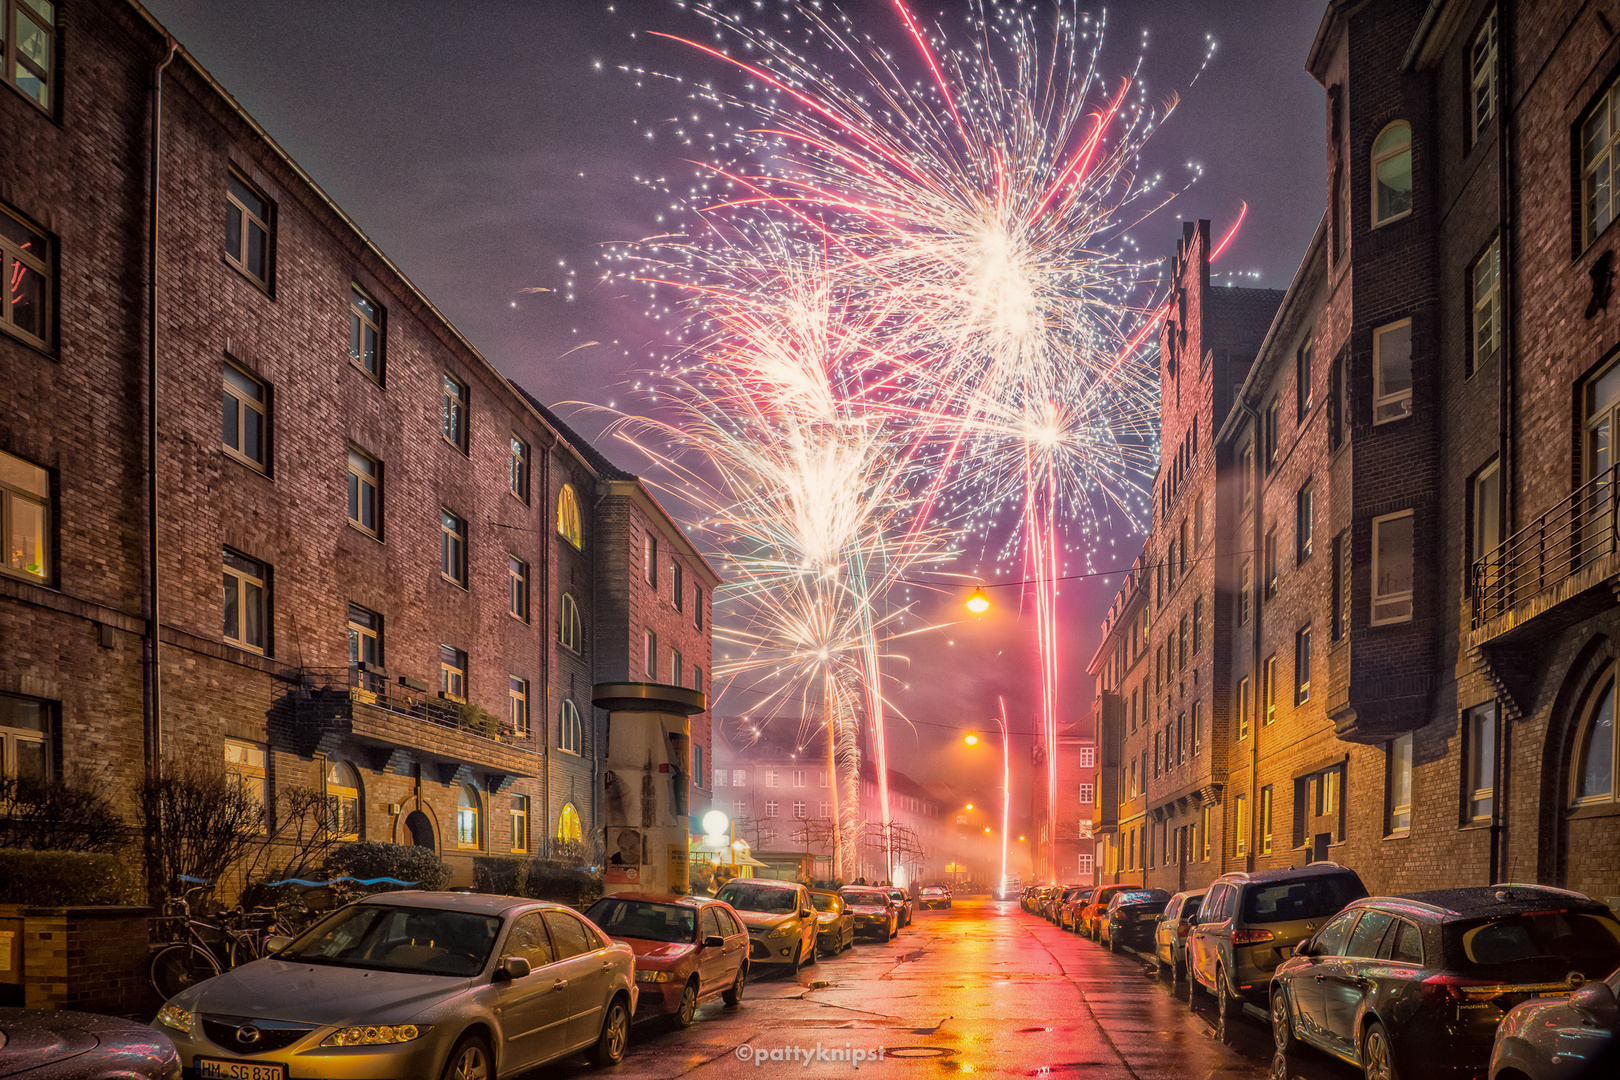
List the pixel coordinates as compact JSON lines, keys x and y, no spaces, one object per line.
{"x":1505,"y":442}
{"x":153,"y":696}
{"x":1256,"y":540}
{"x":547,"y":644}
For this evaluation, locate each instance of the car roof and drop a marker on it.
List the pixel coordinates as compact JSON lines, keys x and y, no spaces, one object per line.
{"x":769,"y":883}
{"x":1484,"y":900}
{"x":1292,"y":873}
{"x":476,"y":903}
{"x":663,"y":898}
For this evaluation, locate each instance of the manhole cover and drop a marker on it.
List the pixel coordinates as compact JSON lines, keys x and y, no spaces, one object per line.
{"x":917,"y":1051}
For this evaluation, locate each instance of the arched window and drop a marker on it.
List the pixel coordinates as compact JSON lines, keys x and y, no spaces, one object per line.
{"x":569,"y":830}
{"x":568,"y":629}
{"x":568,"y":516}
{"x":1593,"y":777}
{"x":467,"y":806}
{"x":570,"y":732}
{"x":343,"y":796}
{"x":1392,"y":173}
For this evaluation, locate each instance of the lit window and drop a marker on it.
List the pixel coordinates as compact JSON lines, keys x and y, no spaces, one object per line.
{"x":568,"y":516}
{"x":1400,"y":784}
{"x":1265,"y":820}
{"x":1392,"y":174}
{"x":568,"y":628}
{"x":247,"y":229}
{"x":467,"y":807}
{"x":244,"y":416}
{"x":29,"y":51}
{"x":517,"y":469}
{"x":365,"y":333}
{"x":452,"y":673}
{"x":569,"y":828}
{"x":365,"y":480}
{"x":517,"y":577}
{"x":1203,"y":829}
{"x":517,"y":692}
{"x":1302,"y":665}
{"x":1482,"y":81}
{"x":520,"y":823}
{"x":25,"y":260}
{"x":343,"y":797}
{"x":1593,"y":781}
{"x":25,"y":738}
{"x":1392,"y":372}
{"x":246,"y":623}
{"x":244,"y":769}
{"x":1480,"y":730}
{"x":571,"y":732}
{"x":453,"y":412}
{"x":1487,"y":307}
{"x":25,"y":501}
{"x":1268,"y":689}
{"x":452,"y":547}
{"x":1392,"y":569}
{"x":1242,"y":811}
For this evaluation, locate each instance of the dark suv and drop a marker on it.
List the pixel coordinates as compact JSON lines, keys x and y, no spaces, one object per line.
{"x":1250,"y":922}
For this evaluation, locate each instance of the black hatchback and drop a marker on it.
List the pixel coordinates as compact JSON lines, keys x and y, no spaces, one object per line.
{"x":1414,"y":986}
{"x":1132,"y":918}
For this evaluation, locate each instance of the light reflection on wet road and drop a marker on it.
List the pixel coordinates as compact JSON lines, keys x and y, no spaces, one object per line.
{"x":984,"y":989}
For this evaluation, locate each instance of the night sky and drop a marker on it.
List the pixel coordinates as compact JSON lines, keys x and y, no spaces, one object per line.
{"x":491,"y":148}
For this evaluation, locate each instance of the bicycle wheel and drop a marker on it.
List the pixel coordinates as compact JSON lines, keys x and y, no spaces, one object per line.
{"x":181,"y":966}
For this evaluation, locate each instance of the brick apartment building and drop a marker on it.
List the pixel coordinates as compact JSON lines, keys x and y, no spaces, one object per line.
{"x":1412,"y":641}
{"x":1062,"y":845}
{"x":296,"y":524}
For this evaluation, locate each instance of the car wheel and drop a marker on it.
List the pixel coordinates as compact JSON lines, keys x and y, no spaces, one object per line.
{"x":1282,"y":1022}
{"x":683,"y":1016}
{"x":469,"y":1060}
{"x":1377,"y":1058}
{"x":812,"y":955}
{"x":1226,"y":1006}
{"x":798,"y":960}
{"x":610,"y":1044}
{"x":734,"y":995}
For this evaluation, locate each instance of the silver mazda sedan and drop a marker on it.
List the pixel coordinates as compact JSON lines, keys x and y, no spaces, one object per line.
{"x":462,"y":986}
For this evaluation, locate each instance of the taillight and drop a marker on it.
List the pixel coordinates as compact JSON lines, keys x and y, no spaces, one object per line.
{"x":1183,"y":930}
{"x":1454,"y":987}
{"x":1251,"y":937}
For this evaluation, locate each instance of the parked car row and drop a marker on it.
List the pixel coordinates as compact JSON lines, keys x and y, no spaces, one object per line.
{"x":1502,"y":982}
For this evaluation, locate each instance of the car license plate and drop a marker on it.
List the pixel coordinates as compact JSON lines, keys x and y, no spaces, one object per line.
{"x":212,"y":1069}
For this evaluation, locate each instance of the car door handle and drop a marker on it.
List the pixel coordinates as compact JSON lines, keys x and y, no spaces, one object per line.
{"x":1321,"y":978}
{"x":560,"y":984}
{"x":606,"y":964}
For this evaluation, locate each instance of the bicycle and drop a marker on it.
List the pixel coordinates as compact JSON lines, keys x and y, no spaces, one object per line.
{"x":204,"y":949}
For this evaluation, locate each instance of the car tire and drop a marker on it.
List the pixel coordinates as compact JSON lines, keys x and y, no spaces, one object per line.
{"x":1113,"y":945}
{"x":683,"y":1016}
{"x":609,"y":1046}
{"x":1282,"y":1022}
{"x":1377,"y":1056}
{"x":813,"y":953}
{"x":1227,"y":1006}
{"x":470,"y":1060}
{"x":798,"y":960}
{"x":733,"y":996}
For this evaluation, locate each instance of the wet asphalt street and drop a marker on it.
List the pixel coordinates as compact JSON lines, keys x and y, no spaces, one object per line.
{"x":984,"y":989}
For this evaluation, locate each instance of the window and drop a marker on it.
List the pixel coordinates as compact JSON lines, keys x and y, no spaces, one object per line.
{"x":365,"y":333}
{"x":1482,"y":70}
{"x":649,"y":558}
{"x":720,"y":777}
{"x":517,"y":578}
{"x":1303,"y":389}
{"x":1601,"y":400}
{"x":697,"y":678}
{"x":1392,"y":372}
{"x":1341,"y":216}
{"x":1265,"y":820}
{"x":1487,"y":307}
{"x":739,"y":809}
{"x":798,"y":778}
{"x":517,"y":469}
{"x":244,"y":421}
{"x":1392,"y":174}
{"x":772,"y":778}
{"x":1134,"y":789}
{"x":826,"y":810}
{"x":25,"y":738}
{"x":1088,"y":757}
{"x":1336,"y":605}
{"x":30,"y":48}
{"x":739,"y":777}
{"x":1479,"y":728}
{"x":1242,"y":809}
{"x":570,"y":731}
{"x":1304,"y":522}
{"x":1245,"y":591}
{"x":25,"y":521}
{"x":1197,"y":727}
{"x":677,"y":586}
{"x":1392,"y":569}
{"x":1399,"y":764}
{"x":697,"y":606}
{"x":1485,"y":531}
{"x":1170,"y":567}
{"x":1088,"y":794}
{"x":246,"y":618}
{"x":1181,"y":639}
{"x":25,"y":259}
{"x":1593,"y":781}
{"x":467,"y":807}
{"x":798,"y":808}
{"x":1182,"y":534}
{"x":343,"y":797}
{"x":649,"y":654}
{"x":452,"y":673}
{"x":1273,"y":434}
{"x":674,"y":668}
{"x":517,"y":693}
{"x":452,"y":547}
{"x":365,"y":646}
{"x":1245,"y":477}
{"x":570,"y":830}
{"x":569,"y":635}
{"x":1338,"y":403}
{"x":1270,"y":555}
{"x":1158,"y":754}
{"x":1244,"y":704}
{"x":365,"y":481}
{"x":453,"y":412}
{"x":1598,"y":134}
{"x":1198,"y":522}
{"x":826,"y":778}
{"x":568,"y":516}
{"x":520,"y":823}
{"x":1268,"y":688}
{"x":770,"y":807}
{"x":1198,"y":624}
{"x":1302,"y":665}
{"x":1203,"y":829}
{"x":247,"y":230}
{"x":697,"y":765}
{"x":244,"y":769}
{"x":1181,"y":738}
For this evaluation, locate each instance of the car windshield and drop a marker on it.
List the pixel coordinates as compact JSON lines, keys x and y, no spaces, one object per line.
{"x":423,"y":941}
{"x":763,"y":898}
{"x":1548,"y":943}
{"x":643,"y":920}
{"x":1292,"y":901}
{"x":898,"y":894}
{"x":865,"y":896}
{"x":933,"y":892}
{"x":826,"y":901}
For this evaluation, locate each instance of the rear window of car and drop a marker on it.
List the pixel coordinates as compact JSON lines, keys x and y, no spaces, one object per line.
{"x":767,"y":899}
{"x":933,"y":892}
{"x":1534,"y":945}
{"x":1308,"y":898}
{"x":1135,"y":898}
{"x":865,"y":897}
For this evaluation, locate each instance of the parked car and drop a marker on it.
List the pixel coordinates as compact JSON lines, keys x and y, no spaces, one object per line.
{"x":781,"y":921}
{"x":1010,"y":886}
{"x":874,"y":911}
{"x":1050,"y":901}
{"x":1170,"y":935}
{"x":835,"y":923}
{"x":1069,"y":908}
{"x":52,"y":1044}
{"x":688,"y":949}
{"x":1560,"y":1038}
{"x":933,"y":896}
{"x":1088,"y":922}
{"x":1250,"y":922}
{"x":902,"y":902}
{"x":1131,"y":919}
{"x":414,"y":984}
{"x":1416,"y":985}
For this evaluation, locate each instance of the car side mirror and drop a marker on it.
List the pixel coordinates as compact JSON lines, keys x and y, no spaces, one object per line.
{"x":1303,"y":948}
{"x":275,"y":943}
{"x":1597,"y":1001}
{"x":806,"y":913}
{"x":714,"y":941}
{"x":512,"y":967}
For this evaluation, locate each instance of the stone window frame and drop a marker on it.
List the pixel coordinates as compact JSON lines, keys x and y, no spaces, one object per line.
{"x":26,"y":485}
{"x":15,"y":253}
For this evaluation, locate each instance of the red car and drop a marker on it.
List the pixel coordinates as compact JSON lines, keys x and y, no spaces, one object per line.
{"x":688,"y":949}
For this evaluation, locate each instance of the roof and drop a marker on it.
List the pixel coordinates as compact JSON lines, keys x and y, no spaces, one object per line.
{"x":1239,"y":314}
{"x":485,"y":903}
{"x":662,"y":898}
{"x":1494,"y":899}
{"x":1322,"y":869}
{"x":580,"y":445}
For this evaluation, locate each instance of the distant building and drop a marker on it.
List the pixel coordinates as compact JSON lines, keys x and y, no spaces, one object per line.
{"x":1071,"y":822}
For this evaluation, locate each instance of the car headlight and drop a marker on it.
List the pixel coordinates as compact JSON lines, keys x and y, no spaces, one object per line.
{"x":649,"y":975}
{"x":173,"y":1016}
{"x":375,"y":1035}
{"x":785,"y":930}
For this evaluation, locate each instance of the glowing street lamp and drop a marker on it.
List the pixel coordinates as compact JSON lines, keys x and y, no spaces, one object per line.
{"x":968,"y":807}
{"x":971,"y":739}
{"x":978,"y":602}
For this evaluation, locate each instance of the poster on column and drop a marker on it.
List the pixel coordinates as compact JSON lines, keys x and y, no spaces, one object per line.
{"x":677,"y":868}
{"x":624,"y":856}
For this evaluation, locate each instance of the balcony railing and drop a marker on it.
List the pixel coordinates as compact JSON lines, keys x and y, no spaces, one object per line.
{"x":1556,"y":546}
{"x":365,"y":687}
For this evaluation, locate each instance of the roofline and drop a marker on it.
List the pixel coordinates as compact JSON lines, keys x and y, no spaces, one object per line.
{"x":637,"y":492}
{"x":1094,"y":665}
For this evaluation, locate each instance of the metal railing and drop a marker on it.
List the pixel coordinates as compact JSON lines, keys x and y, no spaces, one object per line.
{"x":358,"y":685}
{"x":1559,"y":544}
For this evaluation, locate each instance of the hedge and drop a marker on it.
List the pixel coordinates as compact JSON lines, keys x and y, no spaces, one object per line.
{"x":537,"y":879}
{"x":67,"y":878}
{"x":374,"y":859}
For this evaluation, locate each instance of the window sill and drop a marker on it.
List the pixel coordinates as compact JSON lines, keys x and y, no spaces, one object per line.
{"x":1474,"y":826}
{"x":257,"y":468}
{"x":365,"y":532}
{"x":22,"y":338}
{"x":462,"y":450}
{"x":1404,"y":834}
{"x":1592,"y":810}
{"x":240,"y":647}
{"x":1402,"y":216}
{"x":447,"y":579}
{"x":246,"y":275}
{"x":375,"y":378}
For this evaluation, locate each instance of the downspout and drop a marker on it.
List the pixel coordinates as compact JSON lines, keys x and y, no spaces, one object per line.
{"x":1505,"y":444}
{"x":153,"y":697}
{"x":1255,"y":544}
{"x":548,"y":643}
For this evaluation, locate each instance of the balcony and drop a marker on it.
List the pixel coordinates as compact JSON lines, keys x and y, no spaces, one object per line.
{"x":400,"y":725}
{"x":1557,"y":570}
